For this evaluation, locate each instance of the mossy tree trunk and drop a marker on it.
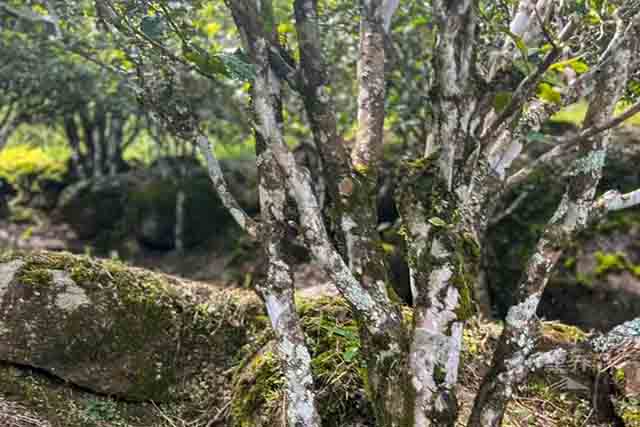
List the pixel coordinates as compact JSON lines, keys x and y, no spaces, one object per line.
{"x":445,"y":199}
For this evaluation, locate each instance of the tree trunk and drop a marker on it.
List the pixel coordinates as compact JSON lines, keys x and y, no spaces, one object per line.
{"x":180,"y":220}
{"x":77,"y":158}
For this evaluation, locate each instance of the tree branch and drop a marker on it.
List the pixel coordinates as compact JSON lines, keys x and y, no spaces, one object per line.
{"x":509,"y":210}
{"x":453,"y":102}
{"x":613,"y":200}
{"x":627,"y":333}
{"x":526,"y":88}
{"x":567,"y":145}
{"x":245,"y":222}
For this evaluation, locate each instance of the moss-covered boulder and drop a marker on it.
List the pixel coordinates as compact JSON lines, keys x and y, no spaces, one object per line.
{"x":153,"y":209}
{"x":141,"y":205}
{"x":117,"y":330}
{"x":98,"y":206}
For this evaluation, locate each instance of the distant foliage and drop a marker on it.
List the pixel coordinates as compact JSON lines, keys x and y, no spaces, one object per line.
{"x":26,"y":165}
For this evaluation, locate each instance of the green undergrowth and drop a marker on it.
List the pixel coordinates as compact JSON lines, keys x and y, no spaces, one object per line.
{"x":629,"y":411}
{"x":38,"y":157}
{"x":337,"y":364}
{"x":340,"y":375}
{"x":546,"y":401}
{"x":605,"y":263}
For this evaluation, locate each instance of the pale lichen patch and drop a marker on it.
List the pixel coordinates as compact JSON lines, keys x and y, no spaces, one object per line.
{"x":7,"y":273}
{"x":521,"y":314}
{"x":73,"y":296}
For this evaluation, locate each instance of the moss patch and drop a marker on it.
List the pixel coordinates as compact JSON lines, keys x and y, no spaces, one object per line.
{"x":629,"y":411}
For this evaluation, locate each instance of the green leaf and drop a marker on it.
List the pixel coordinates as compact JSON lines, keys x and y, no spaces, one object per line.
{"x":207,"y":64}
{"x":519,"y":42}
{"x":346,"y":333}
{"x":152,"y":26}
{"x":547,"y":93}
{"x":536,"y":137}
{"x":593,"y":18}
{"x":437,"y":222}
{"x":501,"y":100}
{"x":350,"y":353}
{"x":577,"y":64}
{"x":237,"y":66}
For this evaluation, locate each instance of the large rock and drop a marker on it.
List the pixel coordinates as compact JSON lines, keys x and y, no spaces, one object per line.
{"x":116,"y":330}
{"x":152,"y":209}
{"x":143,"y":205}
{"x":92,"y":207}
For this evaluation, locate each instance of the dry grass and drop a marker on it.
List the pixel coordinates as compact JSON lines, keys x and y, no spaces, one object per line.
{"x":13,"y":414}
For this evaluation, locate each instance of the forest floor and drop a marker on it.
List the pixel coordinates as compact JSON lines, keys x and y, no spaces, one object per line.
{"x":206,"y":265}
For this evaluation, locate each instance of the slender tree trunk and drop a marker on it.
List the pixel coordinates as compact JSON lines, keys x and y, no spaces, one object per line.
{"x":180,"y":219}
{"x":7,"y":126}
{"x":100,"y":154}
{"x":77,"y":161}
{"x":443,"y":257}
{"x":277,"y":291}
{"x":114,"y":143}
{"x":89,"y":141}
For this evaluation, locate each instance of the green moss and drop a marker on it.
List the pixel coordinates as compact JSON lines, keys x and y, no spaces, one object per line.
{"x":542,"y":395}
{"x":439,"y":375}
{"x":629,"y":411}
{"x":35,"y":277}
{"x":609,"y":262}
{"x":64,"y":406}
{"x":560,"y":332}
{"x":258,"y":391}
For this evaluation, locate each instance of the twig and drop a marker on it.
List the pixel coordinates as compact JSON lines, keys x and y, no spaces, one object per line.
{"x":247,"y":223}
{"x":613,"y":200}
{"x":163,"y":415}
{"x":220,"y":415}
{"x":516,"y":203}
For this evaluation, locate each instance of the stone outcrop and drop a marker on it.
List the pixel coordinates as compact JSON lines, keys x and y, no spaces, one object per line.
{"x":117,"y":330}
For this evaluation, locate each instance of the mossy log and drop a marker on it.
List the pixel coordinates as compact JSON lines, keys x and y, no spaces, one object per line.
{"x":114,"y":329}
